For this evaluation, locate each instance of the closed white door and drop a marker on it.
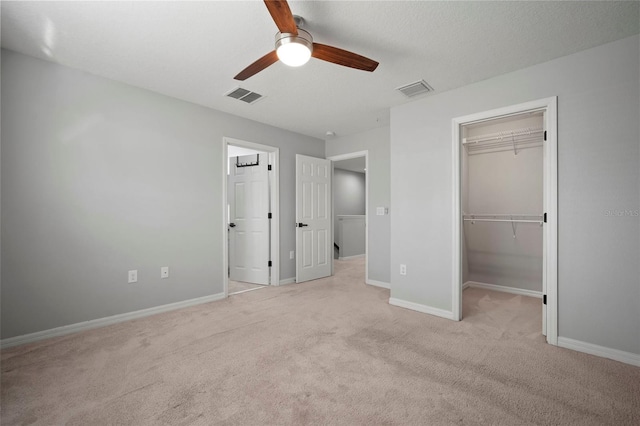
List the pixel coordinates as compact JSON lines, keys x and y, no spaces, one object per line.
{"x":313,"y":218}
{"x":248,"y":220}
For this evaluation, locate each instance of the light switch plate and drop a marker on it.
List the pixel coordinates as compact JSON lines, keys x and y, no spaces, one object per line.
{"x":380,"y":211}
{"x":164,"y":272}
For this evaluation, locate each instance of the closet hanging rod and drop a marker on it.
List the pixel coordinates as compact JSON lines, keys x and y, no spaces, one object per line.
{"x":505,"y":141}
{"x":506,"y":138}
{"x":528,"y":131}
{"x":472,"y":215}
{"x":503,"y":220}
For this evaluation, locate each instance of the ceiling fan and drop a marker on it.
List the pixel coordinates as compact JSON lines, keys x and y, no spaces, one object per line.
{"x":294,"y":46}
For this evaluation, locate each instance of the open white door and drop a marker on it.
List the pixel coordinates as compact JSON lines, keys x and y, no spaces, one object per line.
{"x":248,"y":194}
{"x":313,"y":218}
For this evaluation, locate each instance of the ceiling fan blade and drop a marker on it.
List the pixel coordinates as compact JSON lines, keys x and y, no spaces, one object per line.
{"x":343,"y":57}
{"x":262,"y":63}
{"x":282,"y":16}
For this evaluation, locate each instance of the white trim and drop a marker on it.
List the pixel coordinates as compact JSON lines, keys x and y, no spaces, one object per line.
{"x":381,"y":284}
{"x":421,"y":308}
{"x":274,"y":160}
{"x":550,"y":283}
{"x":349,"y":156}
{"x":291,"y":280}
{"x":601,"y":351}
{"x":456,"y":294}
{"x":502,"y":288}
{"x":550,"y":255}
{"x":246,"y":290}
{"x":101,"y":322}
{"x":355,"y":256}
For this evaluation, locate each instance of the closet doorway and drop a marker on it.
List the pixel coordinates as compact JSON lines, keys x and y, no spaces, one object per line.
{"x":505,"y":206}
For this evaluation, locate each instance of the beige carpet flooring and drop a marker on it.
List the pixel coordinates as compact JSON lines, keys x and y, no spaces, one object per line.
{"x":332,"y":351}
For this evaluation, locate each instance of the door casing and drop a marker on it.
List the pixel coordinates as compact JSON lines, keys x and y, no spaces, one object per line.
{"x":550,"y":203}
{"x":274,"y":184}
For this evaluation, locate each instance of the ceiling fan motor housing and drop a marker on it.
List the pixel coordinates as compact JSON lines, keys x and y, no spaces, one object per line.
{"x":303,"y":38}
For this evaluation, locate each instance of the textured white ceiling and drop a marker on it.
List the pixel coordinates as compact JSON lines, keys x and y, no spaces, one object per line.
{"x":192,"y":50}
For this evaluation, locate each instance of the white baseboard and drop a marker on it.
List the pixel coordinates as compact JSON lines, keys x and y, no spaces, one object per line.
{"x":502,"y":288}
{"x":601,"y":351}
{"x":246,"y":290}
{"x":378,"y":284}
{"x":291,"y":280}
{"x":421,"y":308}
{"x":351,"y":257}
{"x":101,"y":322}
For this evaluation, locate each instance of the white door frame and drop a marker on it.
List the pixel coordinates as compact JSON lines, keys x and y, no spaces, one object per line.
{"x":349,"y":156}
{"x":550,"y":229}
{"x":274,"y":184}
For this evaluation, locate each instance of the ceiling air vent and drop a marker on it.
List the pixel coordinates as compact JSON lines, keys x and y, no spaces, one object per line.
{"x":244,"y":95}
{"x":414,"y":89}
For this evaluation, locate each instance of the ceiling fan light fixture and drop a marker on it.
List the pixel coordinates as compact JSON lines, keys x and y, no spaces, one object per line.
{"x":294,"y":46}
{"x":294,"y":50}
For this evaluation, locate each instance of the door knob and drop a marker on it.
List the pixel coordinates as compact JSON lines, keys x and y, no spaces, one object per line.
{"x":232,"y":225}
{"x":300,"y":225}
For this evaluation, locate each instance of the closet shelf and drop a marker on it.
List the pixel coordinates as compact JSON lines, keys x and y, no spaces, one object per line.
{"x":523,"y":218}
{"x":505,"y":220}
{"x":515,"y":140}
{"x":513,"y":219}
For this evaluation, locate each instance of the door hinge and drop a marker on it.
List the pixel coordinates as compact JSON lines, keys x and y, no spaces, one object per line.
{"x":544,"y":219}
{"x":270,"y":263}
{"x":269,"y":216}
{"x":269,"y":166}
{"x":545,"y":138}
{"x":544,"y":299}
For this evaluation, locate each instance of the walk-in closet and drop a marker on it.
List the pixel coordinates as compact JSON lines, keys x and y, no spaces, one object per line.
{"x":502,"y":206}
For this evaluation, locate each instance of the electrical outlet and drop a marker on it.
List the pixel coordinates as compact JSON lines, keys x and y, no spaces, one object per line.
{"x":403,"y":269}
{"x":164,"y":272}
{"x":133,"y":276}
{"x":292,"y":254}
{"x":379,"y":211}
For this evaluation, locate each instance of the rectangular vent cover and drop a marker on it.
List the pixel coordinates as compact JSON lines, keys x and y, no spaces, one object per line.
{"x":415,"y":89}
{"x":244,"y":95}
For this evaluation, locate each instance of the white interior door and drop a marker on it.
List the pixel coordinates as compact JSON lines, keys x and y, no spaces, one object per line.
{"x":313,"y":218}
{"x":248,"y":194}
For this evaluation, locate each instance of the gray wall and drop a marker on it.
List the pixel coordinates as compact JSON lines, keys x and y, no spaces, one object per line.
{"x":349,"y":195}
{"x":98,"y":178}
{"x":351,"y":235}
{"x":501,"y":182}
{"x":377,"y":142}
{"x":599,"y":179}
